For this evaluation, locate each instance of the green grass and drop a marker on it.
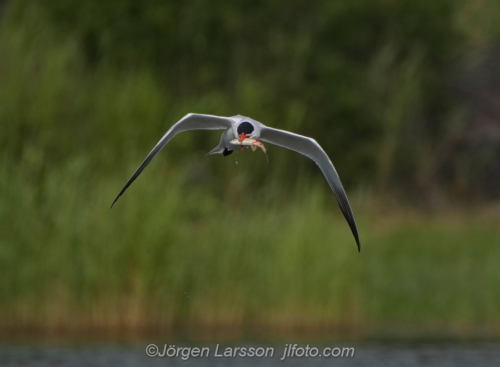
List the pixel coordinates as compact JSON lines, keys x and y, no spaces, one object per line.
{"x":172,"y":254}
{"x":205,"y":242}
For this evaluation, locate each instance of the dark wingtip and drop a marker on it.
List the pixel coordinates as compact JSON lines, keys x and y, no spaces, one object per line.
{"x":354,"y":231}
{"x":346,"y":210}
{"x":126,"y":185}
{"x":111,"y":207}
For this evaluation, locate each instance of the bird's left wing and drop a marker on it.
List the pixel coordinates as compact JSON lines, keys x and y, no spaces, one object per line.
{"x":191,"y":121}
{"x":310,"y":148}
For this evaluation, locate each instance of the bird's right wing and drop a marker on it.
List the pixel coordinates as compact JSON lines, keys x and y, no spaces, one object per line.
{"x":191,"y":121}
{"x":311,"y":149}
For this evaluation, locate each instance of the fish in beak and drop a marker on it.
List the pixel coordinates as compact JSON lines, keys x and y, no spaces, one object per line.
{"x":244,"y":141}
{"x":242,"y":137}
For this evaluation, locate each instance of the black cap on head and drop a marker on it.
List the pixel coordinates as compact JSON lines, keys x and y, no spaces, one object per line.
{"x":245,"y":128}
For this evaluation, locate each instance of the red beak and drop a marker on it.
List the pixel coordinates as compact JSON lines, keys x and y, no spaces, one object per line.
{"x":243,"y":136}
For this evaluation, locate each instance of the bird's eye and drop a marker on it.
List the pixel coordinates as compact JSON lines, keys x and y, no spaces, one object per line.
{"x":245,"y":128}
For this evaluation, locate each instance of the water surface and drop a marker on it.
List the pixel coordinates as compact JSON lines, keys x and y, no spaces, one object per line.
{"x":373,"y":355}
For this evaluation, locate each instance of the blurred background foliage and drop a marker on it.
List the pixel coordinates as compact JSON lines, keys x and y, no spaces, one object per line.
{"x":403,"y":96}
{"x":376,"y":82}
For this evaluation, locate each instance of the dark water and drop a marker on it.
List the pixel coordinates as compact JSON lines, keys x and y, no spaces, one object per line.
{"x":373,"y":355}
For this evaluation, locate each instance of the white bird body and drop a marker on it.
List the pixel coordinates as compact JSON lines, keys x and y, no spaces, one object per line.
{"x":240,"y":131}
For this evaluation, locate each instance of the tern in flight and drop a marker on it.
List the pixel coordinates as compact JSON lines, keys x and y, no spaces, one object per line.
{"x":241,"y":131}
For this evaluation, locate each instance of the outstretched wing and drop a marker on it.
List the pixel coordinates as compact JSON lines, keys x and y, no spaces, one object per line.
{"x":191,"y":121}
{"x":310,"y":148}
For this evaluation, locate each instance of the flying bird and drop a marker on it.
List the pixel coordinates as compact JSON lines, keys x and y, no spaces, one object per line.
{"x":241,"y":131}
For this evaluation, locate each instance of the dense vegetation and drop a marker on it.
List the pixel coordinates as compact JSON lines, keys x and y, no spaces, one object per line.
{"x":373,"y":81}
{"x":88,"y":87}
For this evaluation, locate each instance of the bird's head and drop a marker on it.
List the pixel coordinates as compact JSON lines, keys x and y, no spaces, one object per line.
{"x":248,"y":136}
{"x":245,"y":130}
